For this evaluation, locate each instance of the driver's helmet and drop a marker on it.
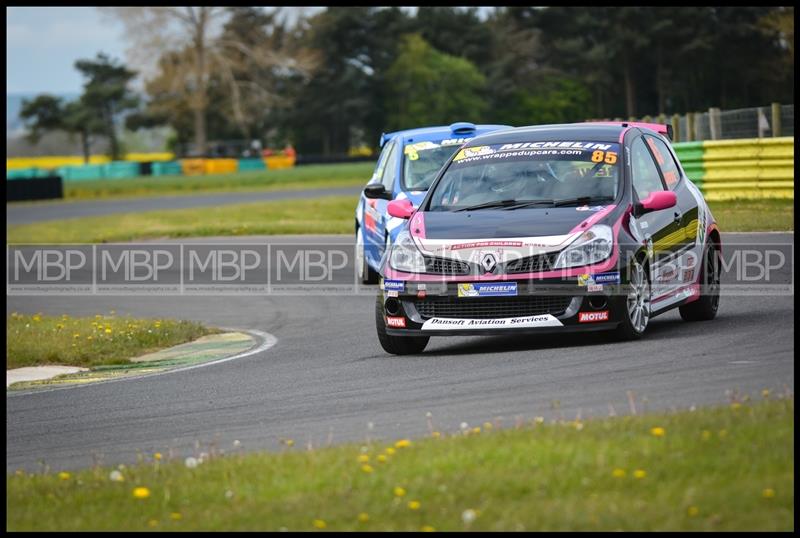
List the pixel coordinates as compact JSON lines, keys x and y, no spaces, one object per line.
{"x":505,"y":179}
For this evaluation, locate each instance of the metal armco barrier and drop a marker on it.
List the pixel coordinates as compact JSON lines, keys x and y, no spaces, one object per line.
{"x":747,"y":168}
{"x":35,"y":188}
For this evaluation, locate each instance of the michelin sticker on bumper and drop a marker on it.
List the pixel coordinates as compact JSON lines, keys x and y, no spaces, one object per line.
{"x":487,"y":289}
{"x":393,"y":285}
{"x":443,"y":324}
{"x":606,"y":278}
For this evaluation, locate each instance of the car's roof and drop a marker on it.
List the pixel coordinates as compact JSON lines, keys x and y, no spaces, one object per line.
{"x":439,"y":132}
{"x":592,"y":132}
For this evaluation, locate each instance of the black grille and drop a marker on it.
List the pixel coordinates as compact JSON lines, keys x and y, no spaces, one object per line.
{"x":532,"y":264}
{"x":491,"y":307}
{"x":442,"y":266}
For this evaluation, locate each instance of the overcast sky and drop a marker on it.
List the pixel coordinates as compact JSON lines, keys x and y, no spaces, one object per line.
{"x":43,"y":43}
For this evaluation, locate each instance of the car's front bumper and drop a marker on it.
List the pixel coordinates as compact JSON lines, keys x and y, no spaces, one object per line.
{"x":537,"y":306}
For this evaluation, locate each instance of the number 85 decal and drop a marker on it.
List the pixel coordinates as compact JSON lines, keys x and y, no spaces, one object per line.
{"x":608,"y":157}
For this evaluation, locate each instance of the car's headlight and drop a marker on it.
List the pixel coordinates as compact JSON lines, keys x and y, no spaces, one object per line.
{"x":592,"y":246}
{"x":405,"y":256}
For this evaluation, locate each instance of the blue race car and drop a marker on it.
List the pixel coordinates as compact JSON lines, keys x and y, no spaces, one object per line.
{"x":407,"y":165}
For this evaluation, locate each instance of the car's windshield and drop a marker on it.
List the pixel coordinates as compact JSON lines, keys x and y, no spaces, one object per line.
{"x":423,"y":161}
{"x":511,"y":176}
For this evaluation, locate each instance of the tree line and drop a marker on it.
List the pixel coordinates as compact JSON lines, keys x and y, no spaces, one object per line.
{"x":340,"y":77}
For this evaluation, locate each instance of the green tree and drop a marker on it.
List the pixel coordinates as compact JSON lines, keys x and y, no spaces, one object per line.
{"x":457,"y":31}
{"x":106,"y":94}
{"x":47,"y":113}
{"x":428,"y":87}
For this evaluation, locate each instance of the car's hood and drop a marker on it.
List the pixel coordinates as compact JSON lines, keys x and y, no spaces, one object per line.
{"x":496,"y":224}
{"x":518,"y":233}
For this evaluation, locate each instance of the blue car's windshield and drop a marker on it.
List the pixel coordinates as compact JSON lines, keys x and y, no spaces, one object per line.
{"x":511,"y":175}
{"x":422,"y":162}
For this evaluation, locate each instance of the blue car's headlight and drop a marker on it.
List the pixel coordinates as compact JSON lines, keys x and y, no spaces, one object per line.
{"x":405,"y":256}
{"x":592,"y":246}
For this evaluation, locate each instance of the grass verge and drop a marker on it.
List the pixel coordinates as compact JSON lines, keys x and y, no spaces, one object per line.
{"x":312,"y":176}
{"x":327,"y":215}
{"x":37,"y":340}
{"x":754,"y":215}
{"x":727,"y":468}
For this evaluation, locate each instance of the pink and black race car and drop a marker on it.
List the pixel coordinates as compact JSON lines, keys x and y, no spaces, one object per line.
{"x":551,"y":228}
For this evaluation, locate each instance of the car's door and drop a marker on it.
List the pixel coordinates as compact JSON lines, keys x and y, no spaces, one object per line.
{"x":690,"y":205}
{"x":661,"y":229}
{"x":375,"y":214}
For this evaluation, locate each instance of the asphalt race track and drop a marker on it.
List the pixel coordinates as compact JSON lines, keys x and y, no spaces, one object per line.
{"x":327,"y":378}
{"x":27,"y":213}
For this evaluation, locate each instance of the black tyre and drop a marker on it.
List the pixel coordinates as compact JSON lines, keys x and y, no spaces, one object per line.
{"x":705,"y":308}
{"x":365,"y":273}
{"x":636,"y":304}
{"x":397,"y":345}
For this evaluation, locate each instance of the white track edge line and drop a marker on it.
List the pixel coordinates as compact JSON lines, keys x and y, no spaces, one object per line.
{"x":268,"y":340}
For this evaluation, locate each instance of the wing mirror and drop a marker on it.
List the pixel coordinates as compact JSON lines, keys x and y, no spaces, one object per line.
{"x":402,"y":209}
{"x":656,"y":202}
{"x":377,"y":190}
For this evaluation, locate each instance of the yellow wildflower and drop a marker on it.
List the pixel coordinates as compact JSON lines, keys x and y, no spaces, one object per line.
{"x":768,"y":493}
{"x":402,"y":443}
{"x":399,"y":492}
{"x":175,"y":516}
{"x":141,"y":493}
{"x":413,"y":505}
{"x":390,"y":451}
{"x":363,"y":458}
{"x":639,"y":473}
{"x":658,"y":431}
{"x":427,"y":528}
{"x":693,"y":511}
{"x":363,"y":517}
{"x":367,"y":468}
{"x":618,"y":473}
{"x":382,"y":458}
{"x":63,"y":475}
{"x":319,"y":523}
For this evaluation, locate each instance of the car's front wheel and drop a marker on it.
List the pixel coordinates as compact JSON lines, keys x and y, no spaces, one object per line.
{"x":637,"y":304}
{"x":365,"y":273}
{"x":396,"y":345}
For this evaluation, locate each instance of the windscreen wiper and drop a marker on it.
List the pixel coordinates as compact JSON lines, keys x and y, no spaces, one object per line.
{"x":582,"y":200}
{"x":487,"y":205}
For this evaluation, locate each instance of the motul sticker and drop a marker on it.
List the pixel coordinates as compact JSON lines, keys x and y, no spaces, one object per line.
{"x":545,"y":320}
{"x":396,"y":321}
{"x":590,"y":317}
